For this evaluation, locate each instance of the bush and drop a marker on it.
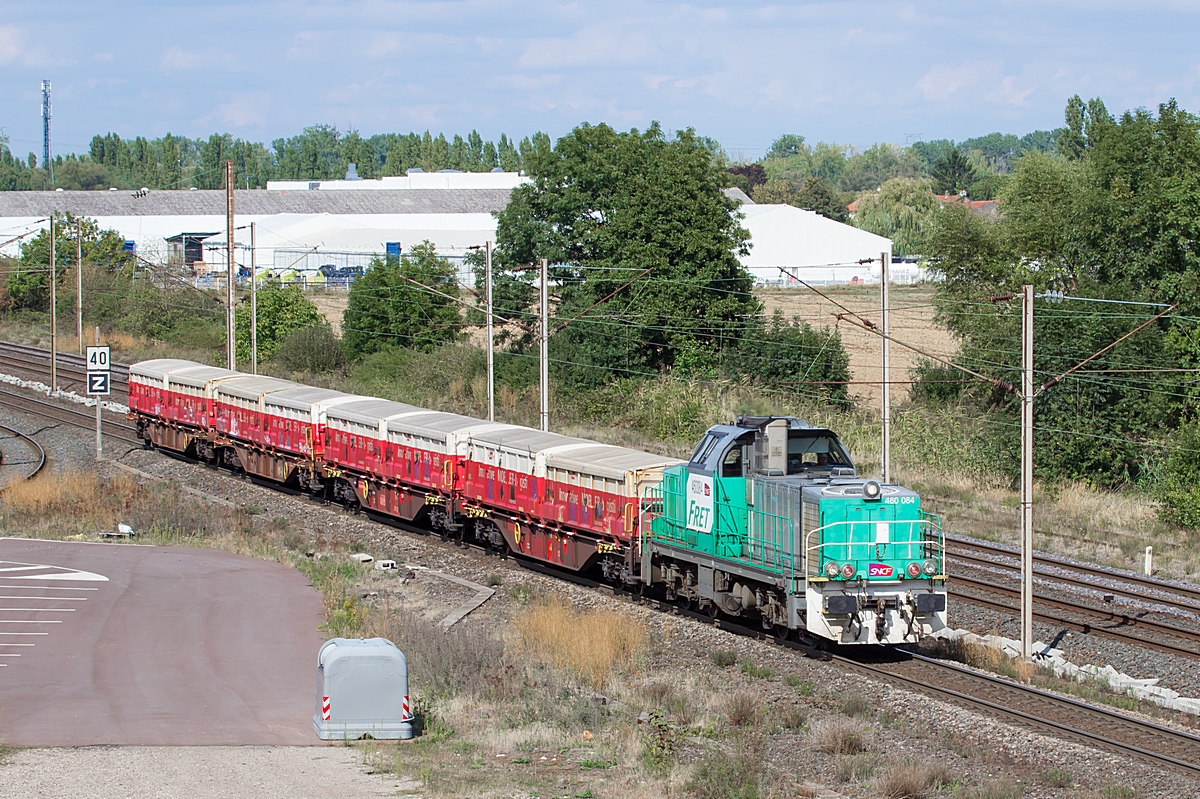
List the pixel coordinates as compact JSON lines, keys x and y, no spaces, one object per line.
{"x":591,"y":644}
{"x":310,"y":349}
{"x":741,"y":708}
{"x":793,"y":717}
{"x":723,"y":657}
{"x":1178,"y":484}
{"x":856,"y":768}
{"x":910,"y":780}
{"x":856,"y":705}
{"x":737,"y":775}
{"x":840,"y":736}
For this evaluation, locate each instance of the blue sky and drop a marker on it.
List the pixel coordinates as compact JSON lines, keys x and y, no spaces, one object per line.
{"x":854,"y":72}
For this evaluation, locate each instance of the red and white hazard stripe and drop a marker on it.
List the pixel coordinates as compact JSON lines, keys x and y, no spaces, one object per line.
{"x":405,"y":714}
{"x":325,"y":708}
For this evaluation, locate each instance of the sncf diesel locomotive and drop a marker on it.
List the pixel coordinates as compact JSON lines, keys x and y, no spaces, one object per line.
{"x":768,"y":520}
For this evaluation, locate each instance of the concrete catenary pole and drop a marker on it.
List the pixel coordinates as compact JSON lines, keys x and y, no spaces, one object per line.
{"x":53,"y":312}
{"x":885,"y":455}
{"x":544,"y":360}
{"x":1027,"y":472}
{"x":491,"y":356}
{"x":79,"y":283}
{"x":230,"y":332}
{"x":253,"y":303}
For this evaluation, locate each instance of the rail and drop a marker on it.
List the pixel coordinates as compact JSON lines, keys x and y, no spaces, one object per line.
{"x":39,"y":454}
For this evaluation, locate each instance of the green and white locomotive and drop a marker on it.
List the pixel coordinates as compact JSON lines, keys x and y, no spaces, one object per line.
{"x":769,"y":520}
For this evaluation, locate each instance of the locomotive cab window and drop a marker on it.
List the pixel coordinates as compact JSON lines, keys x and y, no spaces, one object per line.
{"x":731,"y":465}
{"x":807,"y":453}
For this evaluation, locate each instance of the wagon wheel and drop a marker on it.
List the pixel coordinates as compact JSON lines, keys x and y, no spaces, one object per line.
{"x":781,"y":632}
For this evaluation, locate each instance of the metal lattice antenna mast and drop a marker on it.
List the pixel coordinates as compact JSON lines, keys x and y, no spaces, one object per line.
{"x":46,"y":164}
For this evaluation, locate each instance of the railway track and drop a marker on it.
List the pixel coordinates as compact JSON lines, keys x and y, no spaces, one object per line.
{"x":8,"y":462}
{"x":1109,"y":624}
{"x":1096,"y":578}
{"x":65,"y":414}
{"x":1011,"y":701}
{"x":1046,"y":712}
{"x":34,"y":363}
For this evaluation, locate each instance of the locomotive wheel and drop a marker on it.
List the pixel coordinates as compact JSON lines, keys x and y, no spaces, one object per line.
{"x":714,"y":610}
{"x":782,"y":632}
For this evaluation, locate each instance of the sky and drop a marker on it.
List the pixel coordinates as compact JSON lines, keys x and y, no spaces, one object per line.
{"x":854,"y":72}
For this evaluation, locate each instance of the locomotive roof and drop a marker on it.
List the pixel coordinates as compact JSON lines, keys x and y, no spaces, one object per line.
{"x":369,"y":411}
{"x":158,"y":368}
{"x":253,"y":386}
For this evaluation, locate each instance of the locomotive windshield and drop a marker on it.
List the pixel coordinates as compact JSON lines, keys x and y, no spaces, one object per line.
{"x":808,"y":453}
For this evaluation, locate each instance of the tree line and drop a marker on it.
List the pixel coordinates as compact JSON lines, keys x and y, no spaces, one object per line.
{"x":319,"y":152}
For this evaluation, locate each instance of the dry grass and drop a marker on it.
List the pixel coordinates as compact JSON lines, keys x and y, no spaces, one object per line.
{"x":741,"y":708}
{"x":840,"y":736}
{"x":911,"y":780}
{"x":590,"y":643}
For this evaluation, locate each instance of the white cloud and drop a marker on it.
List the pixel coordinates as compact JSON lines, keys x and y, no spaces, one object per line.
{"x":176,"y":59}
{"x":10,"y":43}
{"x":595,"y":46}
{"x":944,"y":80}
{"x":102,"y":58}
{"x":1010,"y":94}
{"x":244,"y":109}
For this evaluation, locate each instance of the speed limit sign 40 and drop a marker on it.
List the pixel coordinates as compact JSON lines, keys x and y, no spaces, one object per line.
{"x":97,"y":359}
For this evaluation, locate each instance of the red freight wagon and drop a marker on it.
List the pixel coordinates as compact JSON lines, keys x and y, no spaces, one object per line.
{"x":296,"y":418}
{"x":356,"y":435}
{"x":241,"y":412}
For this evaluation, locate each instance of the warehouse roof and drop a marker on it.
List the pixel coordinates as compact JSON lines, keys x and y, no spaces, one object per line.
{"x":258,"y":202}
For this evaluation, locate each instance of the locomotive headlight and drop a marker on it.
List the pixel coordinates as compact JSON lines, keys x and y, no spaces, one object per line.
{"x":832,"y":570}
{"x":913,"y":570}
{"x":848,"y":571}
{"x":930,"y":568}
{"x":871,"y":490}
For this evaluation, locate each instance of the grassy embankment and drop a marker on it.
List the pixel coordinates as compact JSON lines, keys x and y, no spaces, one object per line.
{"x":561,"y":700}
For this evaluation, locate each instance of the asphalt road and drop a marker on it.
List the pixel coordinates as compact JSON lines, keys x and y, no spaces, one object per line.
{"x":134,"y":645}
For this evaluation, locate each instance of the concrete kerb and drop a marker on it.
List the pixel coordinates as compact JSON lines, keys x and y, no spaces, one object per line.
{"x":1050,"y":658}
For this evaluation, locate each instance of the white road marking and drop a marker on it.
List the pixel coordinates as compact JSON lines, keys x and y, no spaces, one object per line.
{"x":57,"y":573}
{"x":40,"y":610}
{"x":57,"y":599}
{"x":48,"y":588}
{"x":24,"y":633}
{"x":30,"y":621}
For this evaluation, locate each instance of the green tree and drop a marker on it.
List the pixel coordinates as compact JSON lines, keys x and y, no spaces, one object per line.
{"x":281,"y":310}
{"x":776,"y":192}
{"x":605,"y":207}
{"x":903,"y":210}
{"x":28,"y":285}
{"x":410,"y":301}
{"x":953,"y":172}
{"x":814,"y":194}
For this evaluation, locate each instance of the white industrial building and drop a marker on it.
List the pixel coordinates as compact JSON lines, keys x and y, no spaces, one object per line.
{"x":302,"y":226}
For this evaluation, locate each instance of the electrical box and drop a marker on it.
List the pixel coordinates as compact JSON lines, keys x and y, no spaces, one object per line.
{"x":362,"y":690}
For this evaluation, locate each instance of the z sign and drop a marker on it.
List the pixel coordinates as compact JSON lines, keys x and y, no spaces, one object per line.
{"x":98,"y":384}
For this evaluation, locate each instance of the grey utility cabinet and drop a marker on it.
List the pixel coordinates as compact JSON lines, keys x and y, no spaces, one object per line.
{"x":362,"y":689}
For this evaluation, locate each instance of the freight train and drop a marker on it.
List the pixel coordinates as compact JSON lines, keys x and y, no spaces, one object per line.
{"x":768,"y":521}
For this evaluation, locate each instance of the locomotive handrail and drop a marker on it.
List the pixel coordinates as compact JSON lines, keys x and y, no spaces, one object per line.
{"x":929,"y":547}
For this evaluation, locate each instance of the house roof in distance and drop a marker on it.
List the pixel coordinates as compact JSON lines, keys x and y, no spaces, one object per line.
{"x":207,"y":202}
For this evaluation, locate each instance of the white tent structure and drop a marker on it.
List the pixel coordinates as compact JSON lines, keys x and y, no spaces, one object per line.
{"x":788,"y":243}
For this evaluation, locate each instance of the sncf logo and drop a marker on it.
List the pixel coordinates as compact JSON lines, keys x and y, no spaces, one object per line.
{"x":879,"y":570}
